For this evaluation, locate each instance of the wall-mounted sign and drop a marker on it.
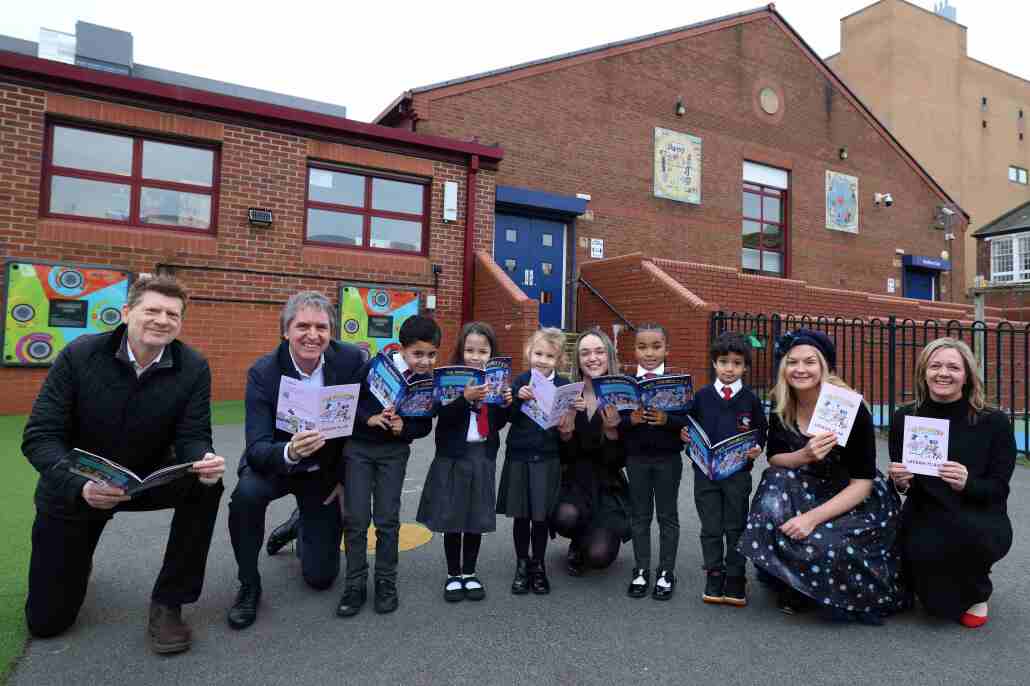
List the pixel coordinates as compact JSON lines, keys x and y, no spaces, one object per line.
{"x":892,"y":285}
{"x":597,"y":248}
{"x":48,"y":305}
{"x":841,"y":202}
{"x":677,"y":166}
{"x":934,"y":263}
{"x":371,"y":316}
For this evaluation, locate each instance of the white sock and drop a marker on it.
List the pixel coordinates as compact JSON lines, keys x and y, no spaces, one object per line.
{"x":639,"y":580}
{"x":471,"y":584}
{"x":663,"y":582}
{"x":453,"y":585}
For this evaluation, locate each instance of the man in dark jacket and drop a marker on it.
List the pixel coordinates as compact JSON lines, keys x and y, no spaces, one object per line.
{"x":141,"y":398}
{"x":276,"y":463}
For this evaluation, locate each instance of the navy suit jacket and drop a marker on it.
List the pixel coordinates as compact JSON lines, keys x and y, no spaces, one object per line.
{"x":265,"y":444}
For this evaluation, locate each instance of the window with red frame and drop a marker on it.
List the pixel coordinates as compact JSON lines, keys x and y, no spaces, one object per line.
{"x":352,"y":208}
{"x":128,"y":179}
{"x":764,"y":229}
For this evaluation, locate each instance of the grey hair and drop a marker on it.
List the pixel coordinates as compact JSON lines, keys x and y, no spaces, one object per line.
{"x":306,"y":299}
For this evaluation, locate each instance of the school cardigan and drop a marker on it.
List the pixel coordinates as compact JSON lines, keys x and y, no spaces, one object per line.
{"x":526,"y":441}
{"x":721,"y":418}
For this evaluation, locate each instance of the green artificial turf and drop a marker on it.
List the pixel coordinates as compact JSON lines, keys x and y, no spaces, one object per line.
{"x":227,"y":412}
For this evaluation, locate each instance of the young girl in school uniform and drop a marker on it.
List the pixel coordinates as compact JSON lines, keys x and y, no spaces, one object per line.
{"x":458,"y":496}
{"x":532,"y":468}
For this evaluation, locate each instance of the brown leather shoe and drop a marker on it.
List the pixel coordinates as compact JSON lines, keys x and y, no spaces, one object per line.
{"x":166,"y":632}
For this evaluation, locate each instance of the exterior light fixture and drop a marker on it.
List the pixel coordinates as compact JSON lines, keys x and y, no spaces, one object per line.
{"x":259,"y":217}
{"x":843,"y":153}
{"x":681,"y":109}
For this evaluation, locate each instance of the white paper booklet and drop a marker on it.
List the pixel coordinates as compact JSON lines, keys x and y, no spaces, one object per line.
{"x":549,"y":402}
{"x":835,"y":411}
{"x":925,"y":446}
{"x":329,"y":409}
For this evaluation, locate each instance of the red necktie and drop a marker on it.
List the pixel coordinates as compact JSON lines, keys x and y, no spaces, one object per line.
{"x":727,"y":392}
{"x":482,"y":421}
{"x":649,"y":375}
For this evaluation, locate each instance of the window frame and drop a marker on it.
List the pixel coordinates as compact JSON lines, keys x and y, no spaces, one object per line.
{"x":1019,"y":254}
{"x":134,"y":180}
{"x":367,"y":213}
{"x":783,"y":195}
{"x":1022,"y":175}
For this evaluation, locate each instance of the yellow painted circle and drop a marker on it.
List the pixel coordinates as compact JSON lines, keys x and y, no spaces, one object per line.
{"x":411,"y":536}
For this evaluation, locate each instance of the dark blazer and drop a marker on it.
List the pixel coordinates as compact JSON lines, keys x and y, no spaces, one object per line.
{"x":92,"y":400}
{"x":452,"y":428}
{"x":265,"y":443}
{"x":526,"y":440}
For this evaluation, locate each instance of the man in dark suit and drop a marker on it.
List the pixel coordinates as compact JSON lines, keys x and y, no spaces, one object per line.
{"x":275,"y":462}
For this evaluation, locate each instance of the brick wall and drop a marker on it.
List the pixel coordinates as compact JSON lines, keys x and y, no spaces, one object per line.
{"x":585,"y":125}
{"x":501,"y":303}
{"x":259,"y":168}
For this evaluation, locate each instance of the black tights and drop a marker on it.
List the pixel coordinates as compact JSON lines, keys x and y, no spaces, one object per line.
{"x":462,"y":551}
{"x":522,"y":532}
{"x":598,"y":546}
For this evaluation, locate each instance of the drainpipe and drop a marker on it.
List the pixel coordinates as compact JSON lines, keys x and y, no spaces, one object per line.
{"x":470,"y":234}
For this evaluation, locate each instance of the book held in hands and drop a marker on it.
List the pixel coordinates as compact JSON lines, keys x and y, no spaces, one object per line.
{"x":725,"y":458}
{"x":550,"y":403}
{"x":388,"y":386}
{"x":925,"y":447}
{"x":835,"y":411}
{"x":449,"y":382}
{"x":498,"y":377}
{"x":671,"y":393}
{"x":306,"y":407}
{"x":104,"y":471}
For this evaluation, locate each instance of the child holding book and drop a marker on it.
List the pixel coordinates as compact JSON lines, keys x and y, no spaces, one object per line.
{"x":458,"y":498}
{"x":654,"y":465}
{"x":375,"y":461}
{"x":532,"y":470}
{"x":725,"y":408}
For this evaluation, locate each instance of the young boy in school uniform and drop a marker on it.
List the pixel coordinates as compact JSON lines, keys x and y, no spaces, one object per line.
{"x":723,"y":409}
{"x":374,"y":465}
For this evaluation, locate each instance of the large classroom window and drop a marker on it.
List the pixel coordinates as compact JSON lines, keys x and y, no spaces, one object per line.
{"x":1010,"y":258}
{"x":764,"y":222}
{"x":358,"y":209}
{"x":123,"y":178}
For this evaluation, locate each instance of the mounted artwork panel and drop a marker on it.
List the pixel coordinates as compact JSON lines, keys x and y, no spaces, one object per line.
{"x":841,"y":202}
{"x":371,"y":315}
{"x":677,"y":166}
{"x":48,"y":305}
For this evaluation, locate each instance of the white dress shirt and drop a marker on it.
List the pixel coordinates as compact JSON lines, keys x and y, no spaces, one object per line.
{"x":315,"y":378}
{"x":734,"y":387}
{"x":135,"y":364}
{"x":657,"y":371}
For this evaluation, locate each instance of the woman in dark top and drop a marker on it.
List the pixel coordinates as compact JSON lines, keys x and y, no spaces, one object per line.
{"x":823,"y":522}
{"x":953,"y":528}
{"x":593,"y":505}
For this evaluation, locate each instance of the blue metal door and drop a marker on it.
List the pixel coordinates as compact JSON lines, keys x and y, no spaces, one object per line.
{"x":532,"y":252}
{"x":919,"y":283}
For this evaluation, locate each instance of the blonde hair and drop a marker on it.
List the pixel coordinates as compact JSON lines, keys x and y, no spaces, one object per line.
{"x":972,"y":390}
{"x":785,"y":399}
{"x":609,"y":348}
{"x":553,"y":337}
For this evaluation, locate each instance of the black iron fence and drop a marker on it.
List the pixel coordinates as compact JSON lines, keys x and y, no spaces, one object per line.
{"x":877,"y":357}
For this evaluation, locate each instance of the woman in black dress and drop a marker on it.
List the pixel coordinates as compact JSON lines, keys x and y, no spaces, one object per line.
{"x":593,"y":504}
{"x":956,"y":526}
{"x":823,"y":524}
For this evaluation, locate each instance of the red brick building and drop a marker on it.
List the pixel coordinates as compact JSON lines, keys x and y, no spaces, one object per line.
{"x":146,"y":170}
{"x":773,"y":136}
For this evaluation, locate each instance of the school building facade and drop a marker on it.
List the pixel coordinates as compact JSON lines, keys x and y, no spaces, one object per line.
{"x":246,"y":196}
{"x":716,"y":166}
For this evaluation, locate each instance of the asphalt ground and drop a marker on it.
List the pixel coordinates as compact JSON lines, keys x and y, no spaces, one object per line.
{"x":586,"y":632}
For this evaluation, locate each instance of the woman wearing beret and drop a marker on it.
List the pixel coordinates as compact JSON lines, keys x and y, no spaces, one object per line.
{"x":955,"y":526}
{"x":823,"y":521}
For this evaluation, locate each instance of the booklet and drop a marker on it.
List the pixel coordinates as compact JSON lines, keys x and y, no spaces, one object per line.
{"x":925,"y":447}
{"x":104,"y":471}
{"x":725,"y":458}
{"x":328,"y":409}
{"x":498,"y":376}
{"x":449,"y":382}
{"x":387,"y":385}
{"x":549,"y":402}
{"x":835,"y":411}
{"x":671,"y":393}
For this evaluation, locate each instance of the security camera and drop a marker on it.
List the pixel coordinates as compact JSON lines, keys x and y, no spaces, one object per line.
{"x":888,"y":199}
{"x":947,"y":212}
{"x":883,"y":198}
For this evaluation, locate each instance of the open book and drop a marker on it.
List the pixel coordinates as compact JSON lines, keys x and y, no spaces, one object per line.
{"x":671,"y":393}
{"x":725,"y":458}
{"x":925,"y":447}
{"x":449,"y":382}
{"x":387,"y":385}
{"x":549,"y":402}
{"x":104,"y":471}
{"x":304,"y":407}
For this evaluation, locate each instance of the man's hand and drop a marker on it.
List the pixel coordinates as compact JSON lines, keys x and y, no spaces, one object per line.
{"x":305,"y":444}
{"x":379,"y":421}
{"x":101,"y":496}
{"x":210,"y":469}
{"x":473,"y":394}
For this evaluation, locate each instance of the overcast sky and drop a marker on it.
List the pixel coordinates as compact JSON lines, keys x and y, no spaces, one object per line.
{"x":364,"y":54}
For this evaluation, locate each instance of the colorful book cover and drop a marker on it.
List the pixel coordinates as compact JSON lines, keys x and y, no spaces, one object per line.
{"x":328,"y":409}
{"x":725,"y":458}
{"x":498,"y":378}
{"x":619,"y":390}
{"x":418,"y":399}
{"x":385,"y":381}
{"x":925,"y":447}
{"x":835,"y":411}
{"x":671,"y":393}
{"x":549,"y":402}
{"x":104,"y":471}
{"x":449,"y":382}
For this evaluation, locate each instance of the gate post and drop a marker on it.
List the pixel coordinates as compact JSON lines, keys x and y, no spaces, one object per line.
{"x":892,"y":342}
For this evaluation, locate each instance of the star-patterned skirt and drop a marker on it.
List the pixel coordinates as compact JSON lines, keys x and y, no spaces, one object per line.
{"x":849,"y":563}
